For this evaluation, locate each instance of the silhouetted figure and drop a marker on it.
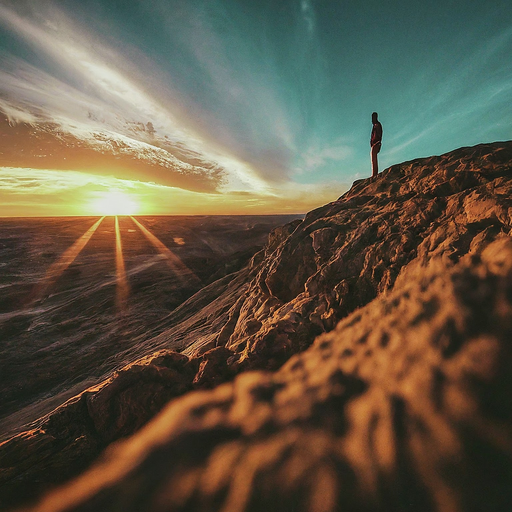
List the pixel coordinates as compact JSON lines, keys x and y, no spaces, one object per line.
{"x":375,"y":143}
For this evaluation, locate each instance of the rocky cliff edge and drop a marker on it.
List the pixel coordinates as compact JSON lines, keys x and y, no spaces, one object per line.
{"x":403,"y":405}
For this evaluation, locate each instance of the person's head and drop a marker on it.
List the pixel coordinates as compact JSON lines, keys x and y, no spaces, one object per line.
{"x":375,"y":117}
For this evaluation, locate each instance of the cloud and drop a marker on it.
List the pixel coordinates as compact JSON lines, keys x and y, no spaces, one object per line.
{"x":216,"y":114}
{"x":43,"y":192}
{"x":91,"y":66}
{"x":47,"y":181}
{"x":317,"y":156}
{"x":97,"y":90}
{"x":46,"y":192}
{"x":308,"y":16}
{"x":452,"y":99}
{"x":238,"y":83}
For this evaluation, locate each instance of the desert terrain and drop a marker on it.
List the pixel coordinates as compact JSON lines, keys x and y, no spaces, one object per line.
{"x":360,"y":361}
{"x":61,"y":328}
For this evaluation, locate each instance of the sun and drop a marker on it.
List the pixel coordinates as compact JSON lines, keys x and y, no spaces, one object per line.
{"x":114,"y":202}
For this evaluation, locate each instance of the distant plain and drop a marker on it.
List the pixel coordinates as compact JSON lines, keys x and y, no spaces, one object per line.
{"x":63,"y":324}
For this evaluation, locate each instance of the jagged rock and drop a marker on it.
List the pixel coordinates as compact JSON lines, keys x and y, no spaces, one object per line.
{"x":404,"y":406}
{"x":130,"y":397}
{"x":214,"y":368}
{"x":70,"y":438}
{"x":344,"y":254}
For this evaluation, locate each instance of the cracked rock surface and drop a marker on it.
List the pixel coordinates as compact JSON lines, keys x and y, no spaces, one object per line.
{"x":404,"y":406}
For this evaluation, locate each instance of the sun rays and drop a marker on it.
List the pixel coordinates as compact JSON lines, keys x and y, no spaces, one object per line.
{"x":122,"y":292}
{"x":122,"y":288}
{"x":183,"y":273}
{"x":58,"y":268}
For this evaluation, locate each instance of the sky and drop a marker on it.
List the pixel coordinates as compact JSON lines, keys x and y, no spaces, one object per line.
{"x":236,"y":106}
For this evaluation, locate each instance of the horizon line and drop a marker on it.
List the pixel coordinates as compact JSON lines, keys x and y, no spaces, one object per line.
{"x":154,"y":215}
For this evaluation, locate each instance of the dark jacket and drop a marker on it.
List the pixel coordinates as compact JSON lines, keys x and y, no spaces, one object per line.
{"x":376,"y":137}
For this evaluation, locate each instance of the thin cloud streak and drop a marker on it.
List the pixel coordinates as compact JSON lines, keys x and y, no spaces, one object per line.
{"x":317,"y":156}
{"x":44,"y":182}
{"x":243,"y":95}
{"x":453,"y":102}
{"x":117,"y":104}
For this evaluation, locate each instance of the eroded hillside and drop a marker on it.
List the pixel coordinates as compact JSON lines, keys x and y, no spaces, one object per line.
{"x":399,"y":407}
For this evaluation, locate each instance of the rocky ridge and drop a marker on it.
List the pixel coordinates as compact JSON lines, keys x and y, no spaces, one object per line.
{"x":404,"y":406}
{"x":412,"y":249}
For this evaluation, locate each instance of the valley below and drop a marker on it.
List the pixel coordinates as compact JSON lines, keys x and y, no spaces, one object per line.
{"x":62,"y":328}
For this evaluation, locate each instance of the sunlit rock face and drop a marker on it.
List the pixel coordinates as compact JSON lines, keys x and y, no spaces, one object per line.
{"x":346,"y":253}
{"x":403,"y":405}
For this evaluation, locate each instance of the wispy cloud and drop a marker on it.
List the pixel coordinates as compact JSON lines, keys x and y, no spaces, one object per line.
{"x":318,"y":155}
{"x":237,"y":99}
{"x":47,"y":181}
{"x":308,"y":16}
{"x":240,"y":85}
{"x":97,"y":90}
{"x":240,"y":135}
{"x":452,"y":98}
{"x":88,"y":65}
{"x":36,"y":192}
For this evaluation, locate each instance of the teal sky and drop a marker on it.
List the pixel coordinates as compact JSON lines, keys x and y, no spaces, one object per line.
{"x":276,"y":97}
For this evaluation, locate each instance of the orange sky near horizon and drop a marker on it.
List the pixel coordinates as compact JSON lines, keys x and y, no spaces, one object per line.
{"x":43,"y":193}
{"x":48,"y":173}
{"x":215,"y":107}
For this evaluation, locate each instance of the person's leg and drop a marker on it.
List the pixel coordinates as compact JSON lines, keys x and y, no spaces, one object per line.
{"x":375,"y":164}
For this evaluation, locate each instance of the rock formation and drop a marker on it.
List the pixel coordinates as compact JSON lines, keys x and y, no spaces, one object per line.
{"x":401,"y":405}
{"x":404,"y":406}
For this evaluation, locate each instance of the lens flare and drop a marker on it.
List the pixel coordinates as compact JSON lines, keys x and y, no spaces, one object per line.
{"x":183,"y":273}
{"x":58,"y":268}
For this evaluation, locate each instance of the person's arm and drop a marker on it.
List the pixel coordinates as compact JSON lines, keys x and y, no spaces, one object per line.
{"x":376,"y":135}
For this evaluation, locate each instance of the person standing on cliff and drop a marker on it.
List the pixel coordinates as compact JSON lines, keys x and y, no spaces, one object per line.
{"x":375,"y":143}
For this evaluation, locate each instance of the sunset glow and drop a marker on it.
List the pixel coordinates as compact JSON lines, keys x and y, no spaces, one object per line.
{"x":235,"y":107}
{"x":183,"y":273}
{"x":122,"y":288}
{"x":114,"y":202}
